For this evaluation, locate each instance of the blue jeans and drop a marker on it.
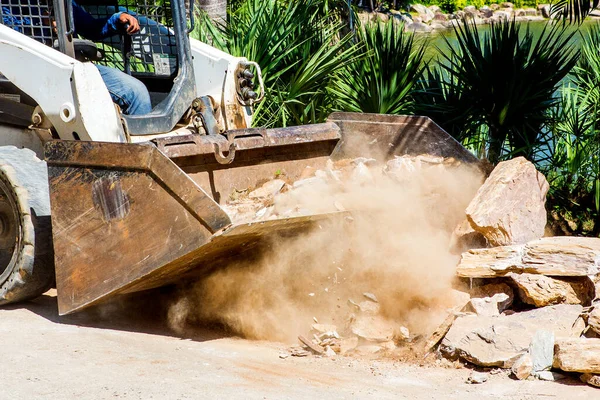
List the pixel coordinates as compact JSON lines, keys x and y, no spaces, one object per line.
{"x":129,"y":93}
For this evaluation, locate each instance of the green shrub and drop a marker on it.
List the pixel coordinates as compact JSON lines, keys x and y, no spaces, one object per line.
{"x":382,"y":81}
{"x":447,"y":6}
{"x":299,"y":46}
{"x":506,"y":80}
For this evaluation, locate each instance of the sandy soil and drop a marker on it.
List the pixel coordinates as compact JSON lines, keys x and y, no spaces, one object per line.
{"x":120,"y":355}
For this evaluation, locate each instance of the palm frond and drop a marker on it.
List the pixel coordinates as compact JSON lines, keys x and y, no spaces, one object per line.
{"x":383,"y":80}
{"x":573,"y":10}
{"x":507,"y":78}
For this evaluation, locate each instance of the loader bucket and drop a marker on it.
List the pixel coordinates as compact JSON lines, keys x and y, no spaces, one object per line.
{"x":132,"y":217}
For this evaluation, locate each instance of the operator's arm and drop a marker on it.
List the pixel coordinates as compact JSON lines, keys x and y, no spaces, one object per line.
{"x":98,"y":29}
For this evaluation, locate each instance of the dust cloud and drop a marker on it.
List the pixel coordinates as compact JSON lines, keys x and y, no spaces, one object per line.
{"x":392,"y":241}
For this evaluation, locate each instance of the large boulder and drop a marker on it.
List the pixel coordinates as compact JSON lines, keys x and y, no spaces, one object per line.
{"x":500,"y":341}
{"x":422,"y":10}
{"x":544,"y":9}
{"x":509,"y":208}
{"x":577,"y":355}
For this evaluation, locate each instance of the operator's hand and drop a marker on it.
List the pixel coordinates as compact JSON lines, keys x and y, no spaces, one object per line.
{"x":130,"y":22}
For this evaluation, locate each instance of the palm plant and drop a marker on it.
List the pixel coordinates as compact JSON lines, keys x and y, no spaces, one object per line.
{"x":586,"y":74}
{"x":574,"y":10}
{"x":504,"y":80}
{"x":299,"y":48}
{"x":383,"y":80}
{"x":574,"y":168}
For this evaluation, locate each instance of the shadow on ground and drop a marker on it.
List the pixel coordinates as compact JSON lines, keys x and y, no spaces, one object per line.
{"x":145,"y":312}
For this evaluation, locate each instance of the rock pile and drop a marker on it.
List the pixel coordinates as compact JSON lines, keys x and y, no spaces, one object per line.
{"x":557,"y":276}
{"x":427,"y":19}
{"x":532,"y":305}
{"x":282,"y":198}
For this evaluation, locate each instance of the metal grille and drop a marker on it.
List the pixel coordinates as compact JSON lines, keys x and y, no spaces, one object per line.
{"x":153,"y":50}
{"x":29,"y":17}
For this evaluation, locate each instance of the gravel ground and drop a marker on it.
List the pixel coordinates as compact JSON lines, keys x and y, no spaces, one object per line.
{"x":99,"y":355}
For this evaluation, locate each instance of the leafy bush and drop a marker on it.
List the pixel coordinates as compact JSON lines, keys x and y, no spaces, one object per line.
{"x":299,"y":46}
{"x":504,"y":80}
{"x":383,"y":80}
{"x":574,"y":167}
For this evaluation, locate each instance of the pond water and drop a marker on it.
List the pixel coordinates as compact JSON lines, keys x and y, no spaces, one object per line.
{"x":439,"y":41}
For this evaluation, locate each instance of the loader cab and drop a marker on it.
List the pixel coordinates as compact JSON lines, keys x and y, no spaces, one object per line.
{"x":159,"y":55}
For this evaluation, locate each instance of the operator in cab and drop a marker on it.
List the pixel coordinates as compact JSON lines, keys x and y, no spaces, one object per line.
{"x":125,"y":90}
{"x":129,"y":93}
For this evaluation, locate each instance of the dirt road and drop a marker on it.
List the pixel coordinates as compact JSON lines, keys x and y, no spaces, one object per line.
{"x":116,"y":355}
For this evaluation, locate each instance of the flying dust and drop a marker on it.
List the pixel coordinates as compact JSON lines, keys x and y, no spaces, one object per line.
{"x":393,"y":241}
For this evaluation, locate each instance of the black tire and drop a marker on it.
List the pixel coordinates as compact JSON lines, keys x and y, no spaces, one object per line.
{"x":26,"y":252}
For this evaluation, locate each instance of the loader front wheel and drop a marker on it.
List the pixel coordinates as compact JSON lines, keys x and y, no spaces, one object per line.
{"x":26,"y":256}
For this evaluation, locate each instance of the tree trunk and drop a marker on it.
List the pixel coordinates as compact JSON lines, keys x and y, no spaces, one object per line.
{"x":216,"y":9}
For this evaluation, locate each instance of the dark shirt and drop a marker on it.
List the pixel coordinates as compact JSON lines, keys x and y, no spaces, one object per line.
{"x":94,"y":29}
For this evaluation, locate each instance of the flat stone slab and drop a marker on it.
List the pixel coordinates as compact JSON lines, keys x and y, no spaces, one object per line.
{"x":552,"y":256}
{"x":490,"y":262}
{"x":563,"y":256}
{"x":500,"y":341}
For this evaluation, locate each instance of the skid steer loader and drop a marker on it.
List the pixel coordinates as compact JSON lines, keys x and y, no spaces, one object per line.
{"x":128,"y":203}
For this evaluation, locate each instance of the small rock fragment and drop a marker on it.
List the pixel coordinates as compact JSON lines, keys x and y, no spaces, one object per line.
{"x":338,"y":206}
{"x":299,"y":352}
{"x":491,"y":299}
{"x":283,"y":355}
{"x":270,"y":188}
{"x":315,"y":348}
{"x":353,"y":304}
{"x":477,"y":377}
{"x":401,"y":168}
{"x":548,"y":376}
{"x":591,"y":379}
{"x":402,"y":333}
{"x":523,"y":367}
{"x":329,"y":352}
{"x":370,"y":296}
